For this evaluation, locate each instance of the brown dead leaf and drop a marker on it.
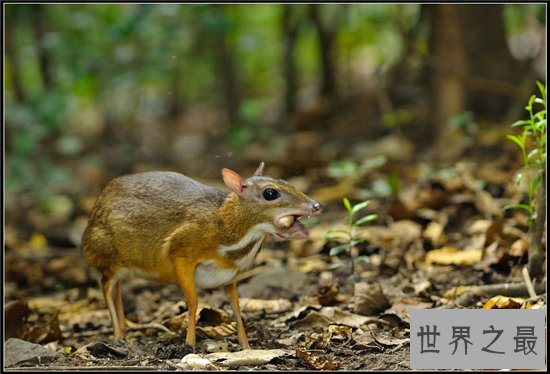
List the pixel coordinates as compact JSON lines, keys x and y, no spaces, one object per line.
{"x":519,"y":248}
{"x":486,"y":204}
{"x":399,"y":234}
{"x":326,"y":295}
{"x":369,"y":299}
{"x":335,"y":335}
{"x":389,"y":340}
{"x":479,"y":226}
{"x":339,"y":333}
{"x":455,"y":292}
{"x":430,"y":197}
{"x":212,"y":316}
{"x":435,"y":233}
{"x":297,"y":314}
{"x":400,"y":310}
{"x":312,"y":320}
{"x":177,"y":324}
{"x":214,"y":323}
{"x":341,"y":317}
{"x":247,"y":357}
{"x":504,"y":302}
{"x":317,"y":341}
{"x":316,"y":360}
{"x":45,"y":332}
{"x":266,"y":306}
{"x":365,"y":340}
{"x":218,"y":331}
{"x":16,"y":314}
{"x":453,"y":256}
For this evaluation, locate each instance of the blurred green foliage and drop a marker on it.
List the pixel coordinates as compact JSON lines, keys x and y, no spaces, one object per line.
{"x":78,"y":75}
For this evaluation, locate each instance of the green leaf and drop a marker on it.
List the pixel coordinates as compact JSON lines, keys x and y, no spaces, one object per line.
{"x":364,"y":259}
{"x":347,"y":204}
{"x":519,"y":178}
{"x":530,"y":103}
{"x":536,"y":183}
{"x":369,"y":218}
{"x":358,"y":207}
{"x":521,"y":122}
{"x":335,"y":266}
{"x":334,"y":251}
{"x":534,"y":152}
{"x":354,"y":242}
{"x":542,"y":88}
{"x":340,"y":231}
{"x":333,"y":234}
{"x":517,"y":206}
{"x":516,"y":139}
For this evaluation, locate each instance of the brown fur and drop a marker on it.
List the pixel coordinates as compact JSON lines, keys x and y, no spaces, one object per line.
{"x":164,"y":224}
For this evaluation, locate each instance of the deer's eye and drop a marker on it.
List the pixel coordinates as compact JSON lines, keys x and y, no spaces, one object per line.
{"x":271,"y":194}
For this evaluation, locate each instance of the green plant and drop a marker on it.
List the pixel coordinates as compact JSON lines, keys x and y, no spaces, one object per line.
{"x":532,"y":142}
{"x":348,"y":237}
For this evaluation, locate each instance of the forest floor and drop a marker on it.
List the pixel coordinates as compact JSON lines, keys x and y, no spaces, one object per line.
{"x":441,"y":235}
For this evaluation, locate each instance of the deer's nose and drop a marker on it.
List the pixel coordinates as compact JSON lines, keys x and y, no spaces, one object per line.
{"x":316,"y":208}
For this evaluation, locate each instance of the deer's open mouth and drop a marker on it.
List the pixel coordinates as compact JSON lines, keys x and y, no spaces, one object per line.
{"x":289,"y":227}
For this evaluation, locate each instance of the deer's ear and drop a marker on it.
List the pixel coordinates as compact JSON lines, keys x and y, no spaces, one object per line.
{"x":260,"y":170}
{"x":234,"y":181}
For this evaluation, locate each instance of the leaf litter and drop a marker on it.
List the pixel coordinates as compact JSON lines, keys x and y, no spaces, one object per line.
{"x":442,"y":241}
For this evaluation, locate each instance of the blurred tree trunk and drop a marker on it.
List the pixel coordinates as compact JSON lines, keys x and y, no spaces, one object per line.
{"x":448,"y":56}
{"x":461,"y":76}
{"x":226,"y":67}
{"x":40,"y":30}
{"x":492,"y":83}
{"x":326,"y":37}
{"x":290,"y":26}
{"x":13,"y":61}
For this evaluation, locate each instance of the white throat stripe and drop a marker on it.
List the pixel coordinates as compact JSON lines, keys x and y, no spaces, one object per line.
{"x":256,"y":232}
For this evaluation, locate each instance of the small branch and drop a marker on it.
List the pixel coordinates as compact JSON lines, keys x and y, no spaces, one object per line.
{"x":488,"y":291}
{"x":528,"y":283}
{"x":536,"y":251}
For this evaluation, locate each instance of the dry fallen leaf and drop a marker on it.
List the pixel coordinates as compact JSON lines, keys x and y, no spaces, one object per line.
{"x":369,"y":299}
{"x":326,"y":295}
{"x":45,"y":332}
{"x":390,"y":340}
{"x":519,"y":248}
{"x":267,"y":306}
{"x":15,"y":317}
{"x":453,"y":256}
{"x":344,"y":318}
{"x":218,"y":331}
{"x":313,"y":319}
{"x":247,"y":357}
{"x":435,"y":233}
{"x":315,"y":360}
{"x":504,"y":302}
{"x":196,"y":362}
{"x":455,"y":292}
{"x":335,"y":335}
